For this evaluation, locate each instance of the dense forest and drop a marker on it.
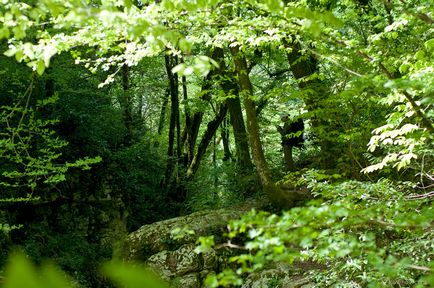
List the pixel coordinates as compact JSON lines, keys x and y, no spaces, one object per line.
{"x":319,"y":114}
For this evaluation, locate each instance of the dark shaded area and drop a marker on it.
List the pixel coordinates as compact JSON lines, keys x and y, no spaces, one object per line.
{"x":292,"y":132}
{"x":79,"y":223}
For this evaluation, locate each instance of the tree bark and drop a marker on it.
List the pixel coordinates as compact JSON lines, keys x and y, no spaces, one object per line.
{"x":241,"y":142}
{"x":276,"y":194}
{"x":246,"y":91}
{"x":225,"y":139}
{"x":236,"y":114}
{"x":196,"y":120}
{"x":126,"y":105}
{"x":287,"y":156}
{"x":174,"y":115}
{"x":302,"y":68}
{"x":206,"y":139}
{"x":163,"y":110}
{"x":186,"y":112}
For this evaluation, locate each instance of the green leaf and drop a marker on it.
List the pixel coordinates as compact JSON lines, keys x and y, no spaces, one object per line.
{"x":169,"y":5}
{"x":180,"y":68}
{"x":11,"y":51}
{"x":132,"y":276}
{"x":21,"y":273}
{"x":53,"y":277}
{"x":275,"y":5}
{"x":128,"y":4}
{"x":19,"y":55}
{"x":429,"y":45}
{"x":206,"y":243}
{"x":19,"y":32}
{"x":185,"y":46}
{"x":420,"y":55}
{"x":4,"y":32}
{"x":40,"y":67}
{"x":404,"y":67}
{"x":212,"y":281}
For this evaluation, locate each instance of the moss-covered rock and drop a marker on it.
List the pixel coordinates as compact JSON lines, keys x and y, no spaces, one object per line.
{"x":176,"y":263}
{"x":156,"y":237}
{"x":174,"y":258}
{"x":192,"y":280}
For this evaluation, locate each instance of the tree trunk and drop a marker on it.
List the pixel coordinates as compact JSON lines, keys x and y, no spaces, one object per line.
{"x":236,"y":114}
{"x":287,"y":156}
{"x":126,"y":105}
{"x":301,"y":68}
{"x":246,"y":91}
{"x":225,"y":139}
{"x":276,"y":195}
{"x":186,"y":133}
{"x":196,"y":120}
{"x":241,"y":142}
{"x":174,"y":116}
{"x":163,"y":110}
{"x":206,"y":139}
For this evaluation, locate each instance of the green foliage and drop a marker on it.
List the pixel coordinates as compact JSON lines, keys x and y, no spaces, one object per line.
{"x":135,"y":174}
{"x":217,"y":186}
{"x":181,"y":232}
{"x":20,"y":272}
{"x":80,"y":261}
{"x":365,"y":234}
{"x":30,"y":149}
{"x":366,"y":66}
{"x":205,"y":244}
{"x":77,"y":213}
{"x":132,"y":276}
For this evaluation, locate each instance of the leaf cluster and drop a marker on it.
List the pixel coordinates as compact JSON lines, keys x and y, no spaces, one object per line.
{"x":359,"y":233}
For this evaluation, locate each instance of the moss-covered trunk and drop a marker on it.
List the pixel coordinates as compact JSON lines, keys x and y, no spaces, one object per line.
{"x":246,"y":91}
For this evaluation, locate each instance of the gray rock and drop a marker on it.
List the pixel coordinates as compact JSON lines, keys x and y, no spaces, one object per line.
{"x":186,"y":260}
{"x":187,"y":281}
{"x":175,"y":259}
{"x":275,"y":278}
{"x":156,"y":237}
{"x":161,"y":263}
{"x":209,"y":260}
{"x":169,"y":264}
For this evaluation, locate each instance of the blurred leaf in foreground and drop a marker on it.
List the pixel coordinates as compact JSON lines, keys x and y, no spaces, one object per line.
{"x":132,"y":276}
{"x":21,"y":273}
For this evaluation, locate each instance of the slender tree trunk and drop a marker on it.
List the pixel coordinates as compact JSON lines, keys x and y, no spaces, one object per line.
{"x":225,"y":139}
{"x":240,"y":135}
{"x":163,"y":110}
{"x":287,"y":156}
{"x":196,"y":119}
{"x":246,"y":91}
{"x":126,"y":103}
{"x":186,"y":112}
{"x":175,"y":103}
{"x":236,"y":114}
{"x":174,"y":115}
{"x":206,"y":139}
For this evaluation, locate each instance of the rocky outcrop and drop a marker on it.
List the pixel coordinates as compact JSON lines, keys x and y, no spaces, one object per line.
{"x":156,"y":237}
{"x":183,"y":267}
{"x":174,"y":258}
{"x":176,"y":261}
{"x":280,"y":275}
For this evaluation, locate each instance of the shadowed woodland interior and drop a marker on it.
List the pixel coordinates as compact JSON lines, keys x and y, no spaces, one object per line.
{"x":122,"y":116}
